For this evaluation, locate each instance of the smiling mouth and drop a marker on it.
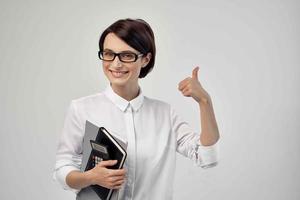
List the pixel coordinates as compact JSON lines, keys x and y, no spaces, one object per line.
{"x":118,"y":74}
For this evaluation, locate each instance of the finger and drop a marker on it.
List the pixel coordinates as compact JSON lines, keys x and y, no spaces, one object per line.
{"x":183,"y":83}
{"x":119,"y":183}
{"x":115,"y":179}
{"x":112,"y":180}
{"x":184,"y":87}
{"x":186,"y":92}
{"x":115,"y":184}
{"x":106,"y":163}
{"x":195,"y":73}
{"x":117,"y":187}
{"x":117,"y":172}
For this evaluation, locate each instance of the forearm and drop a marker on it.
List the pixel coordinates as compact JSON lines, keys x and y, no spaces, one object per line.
{"x":191,"y":87}
{"x":209,"y":128}
{"x":78,"y":180}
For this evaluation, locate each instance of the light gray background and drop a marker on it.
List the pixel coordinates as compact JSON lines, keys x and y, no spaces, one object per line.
{"x":248,"y":53}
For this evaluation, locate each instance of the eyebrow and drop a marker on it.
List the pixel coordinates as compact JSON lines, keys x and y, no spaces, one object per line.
{"x":125,"y":51}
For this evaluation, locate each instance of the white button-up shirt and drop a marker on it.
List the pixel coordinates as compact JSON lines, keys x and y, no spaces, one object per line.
{"x":153,"y":131}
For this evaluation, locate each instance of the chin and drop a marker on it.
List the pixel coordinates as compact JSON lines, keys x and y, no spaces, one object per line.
{"x":118,"y":82}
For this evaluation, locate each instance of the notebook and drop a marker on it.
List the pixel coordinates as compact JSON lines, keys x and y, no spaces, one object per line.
{"x":105,"y":147}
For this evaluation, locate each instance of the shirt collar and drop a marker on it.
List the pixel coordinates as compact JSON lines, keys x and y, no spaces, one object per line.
{"x":122,"y":103}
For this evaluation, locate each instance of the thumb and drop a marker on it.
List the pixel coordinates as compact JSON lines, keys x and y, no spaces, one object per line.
{"x":106,"y":163}
{"x":195,"y":73}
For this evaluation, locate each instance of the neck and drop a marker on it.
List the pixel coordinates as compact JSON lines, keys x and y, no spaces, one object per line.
{"x":126,"y":92}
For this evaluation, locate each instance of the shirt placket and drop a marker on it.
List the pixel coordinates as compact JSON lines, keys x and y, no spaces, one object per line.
{"x":131,"y":150}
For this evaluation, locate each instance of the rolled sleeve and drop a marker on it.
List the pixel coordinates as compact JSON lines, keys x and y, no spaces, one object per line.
{"x":69,"y":149}
{"x":60,"y":175}
{"x":204,"y":156}
{"x":189,"y":145}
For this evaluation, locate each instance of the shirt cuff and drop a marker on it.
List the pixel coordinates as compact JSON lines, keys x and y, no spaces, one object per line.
{"x":205,"y":156}
{"x":60,"y":175}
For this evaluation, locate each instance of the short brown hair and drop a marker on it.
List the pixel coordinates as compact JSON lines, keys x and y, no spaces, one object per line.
{"x":136,"y":33}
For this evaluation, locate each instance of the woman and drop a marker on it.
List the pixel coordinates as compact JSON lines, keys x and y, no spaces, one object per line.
{"x":152,"y":129}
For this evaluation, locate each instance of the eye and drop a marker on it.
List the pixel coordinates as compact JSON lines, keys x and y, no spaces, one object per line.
{"x":108,"y":54}
{"x":128,"y":56}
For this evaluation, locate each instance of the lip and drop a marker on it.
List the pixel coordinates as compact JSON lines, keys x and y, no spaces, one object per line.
{"x":118,"y":74}
{"x":117,"y":71}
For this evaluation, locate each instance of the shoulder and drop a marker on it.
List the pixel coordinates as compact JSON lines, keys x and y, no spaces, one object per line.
{"x":89,"y":98}
{"x":157,"y":104}
{"x":89,"y":101}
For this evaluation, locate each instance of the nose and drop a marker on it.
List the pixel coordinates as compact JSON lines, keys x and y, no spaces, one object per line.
{"x":116,"y":63}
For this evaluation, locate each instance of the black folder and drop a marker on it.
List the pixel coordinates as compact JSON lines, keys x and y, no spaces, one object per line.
{"x":105,"y":147}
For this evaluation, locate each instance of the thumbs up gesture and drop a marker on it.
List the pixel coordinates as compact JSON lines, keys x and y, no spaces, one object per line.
{"x":191,"y":87}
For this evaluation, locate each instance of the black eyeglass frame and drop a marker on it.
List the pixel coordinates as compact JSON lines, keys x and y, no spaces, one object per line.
{"x":136,"y":56}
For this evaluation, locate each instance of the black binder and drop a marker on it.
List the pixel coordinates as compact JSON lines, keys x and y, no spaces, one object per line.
{"x":105,"y":147}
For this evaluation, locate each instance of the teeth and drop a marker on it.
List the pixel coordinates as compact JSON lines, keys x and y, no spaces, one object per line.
{"x":118,"y":73}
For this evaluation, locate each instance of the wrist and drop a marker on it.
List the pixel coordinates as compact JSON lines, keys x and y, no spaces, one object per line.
{"x":204,"y":100}
{"x":88,"y":177}
{"x":202,"y":97}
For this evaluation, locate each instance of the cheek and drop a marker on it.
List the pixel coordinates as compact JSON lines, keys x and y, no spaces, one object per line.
{"x":136,"y":68}
{"x":105,"y":67}
{"x":136,"y":72}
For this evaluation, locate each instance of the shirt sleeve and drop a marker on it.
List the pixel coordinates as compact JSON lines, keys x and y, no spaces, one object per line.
{"x":69,"y":149}
{"x":189,"y":145}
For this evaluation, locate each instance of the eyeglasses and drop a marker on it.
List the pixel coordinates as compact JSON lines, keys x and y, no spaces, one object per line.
{"x":126,"y":57}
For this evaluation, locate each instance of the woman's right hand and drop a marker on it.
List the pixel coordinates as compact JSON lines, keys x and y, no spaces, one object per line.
{"x":109,"y":178}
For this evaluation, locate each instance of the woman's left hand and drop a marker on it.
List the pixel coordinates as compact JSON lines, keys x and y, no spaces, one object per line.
{"x":191,"y":87}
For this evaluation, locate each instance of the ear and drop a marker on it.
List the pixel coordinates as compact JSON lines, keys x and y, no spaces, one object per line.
{"x":146,"y":59}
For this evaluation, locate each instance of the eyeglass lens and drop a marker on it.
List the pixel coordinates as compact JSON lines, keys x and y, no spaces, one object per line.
{"x":124,"y":56}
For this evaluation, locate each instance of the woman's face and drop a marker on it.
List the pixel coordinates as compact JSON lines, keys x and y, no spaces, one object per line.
{"x":122,"y":74}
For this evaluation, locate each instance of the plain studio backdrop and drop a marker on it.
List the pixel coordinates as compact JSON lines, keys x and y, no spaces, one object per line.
{"x":248,"y":54}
